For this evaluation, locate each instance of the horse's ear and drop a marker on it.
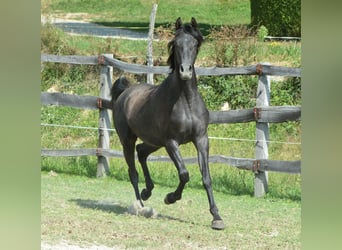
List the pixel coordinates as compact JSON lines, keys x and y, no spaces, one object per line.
{"x":179,"y":23}
{"x":193,"y":22}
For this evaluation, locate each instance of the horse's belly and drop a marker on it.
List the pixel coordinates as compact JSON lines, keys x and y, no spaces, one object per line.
{"x":157,"y":135}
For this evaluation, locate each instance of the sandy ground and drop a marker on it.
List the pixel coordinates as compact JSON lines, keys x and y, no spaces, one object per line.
{"x":65,"y":246}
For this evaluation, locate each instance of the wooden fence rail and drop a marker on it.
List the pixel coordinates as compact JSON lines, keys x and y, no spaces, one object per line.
{"x":273,"y":114}
{"x":200,"y":71}
{"x":262,"y":114}
{"x":241,"y":163}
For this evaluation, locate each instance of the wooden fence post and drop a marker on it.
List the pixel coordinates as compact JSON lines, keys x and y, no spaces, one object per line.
{"x":104,"y":119}
{"x":150,"y":43}
{"x":262,"y":133}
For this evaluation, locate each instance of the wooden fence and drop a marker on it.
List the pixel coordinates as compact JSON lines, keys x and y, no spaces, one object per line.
{"x":262,"y":114}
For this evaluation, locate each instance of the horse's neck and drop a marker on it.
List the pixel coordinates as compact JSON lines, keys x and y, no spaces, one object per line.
{"x":173,"y":90}
{"x":188,"y":88}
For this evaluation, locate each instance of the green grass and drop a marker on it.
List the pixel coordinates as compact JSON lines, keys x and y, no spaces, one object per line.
{"x":133,"y":14}
{"x":87,"y":211}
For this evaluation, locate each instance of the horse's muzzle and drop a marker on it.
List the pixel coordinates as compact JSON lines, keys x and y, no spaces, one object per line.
{"x":185,"y":71}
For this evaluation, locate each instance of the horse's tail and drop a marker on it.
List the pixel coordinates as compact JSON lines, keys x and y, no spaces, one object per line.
{"x":119,"y":86}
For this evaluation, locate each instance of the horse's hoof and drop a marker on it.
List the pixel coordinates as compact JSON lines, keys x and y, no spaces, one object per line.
{"x":166,"y":200}
{"x":169,"y":199}
{"x":217,"y":225}
{"x":145,"y":194}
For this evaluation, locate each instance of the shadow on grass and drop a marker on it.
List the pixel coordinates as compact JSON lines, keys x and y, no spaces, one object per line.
{"x":106,"y":206}
{"x":114,"y":207}
{"x":167,"y":217}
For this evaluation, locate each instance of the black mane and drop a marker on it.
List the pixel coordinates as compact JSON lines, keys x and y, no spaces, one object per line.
{"x":189,"y":29}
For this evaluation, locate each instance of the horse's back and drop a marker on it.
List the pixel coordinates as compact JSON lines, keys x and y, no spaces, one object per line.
{"x":131,"y":101}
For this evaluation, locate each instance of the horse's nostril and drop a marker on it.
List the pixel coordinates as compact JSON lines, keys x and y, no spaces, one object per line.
{"x":190,"y":67}
{"x":181,"y":68}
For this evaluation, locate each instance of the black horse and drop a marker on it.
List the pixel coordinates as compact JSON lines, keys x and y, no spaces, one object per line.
{"x":167,"y":115}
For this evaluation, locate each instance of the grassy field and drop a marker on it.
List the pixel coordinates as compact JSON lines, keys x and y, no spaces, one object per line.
{"x":87,"y":211}
{"x":134,"y":14}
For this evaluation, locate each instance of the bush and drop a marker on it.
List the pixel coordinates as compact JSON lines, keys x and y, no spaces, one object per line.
{"x":238,"y":91}
{"x":55,"y":41}
{"x":233,"y":45}
{"x":281,"y":18}
{"x":262,"y":32}
{"x":287,"y":92}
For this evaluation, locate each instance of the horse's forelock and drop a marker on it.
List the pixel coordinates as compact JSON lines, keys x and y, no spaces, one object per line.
{"x":195,"y":32}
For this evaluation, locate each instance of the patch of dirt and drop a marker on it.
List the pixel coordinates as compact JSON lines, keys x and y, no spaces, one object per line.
{"x":85,"y":17}
{"x":66,"y":246}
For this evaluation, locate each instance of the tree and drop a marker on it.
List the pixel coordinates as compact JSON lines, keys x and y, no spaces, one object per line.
{"x":281,"y":18}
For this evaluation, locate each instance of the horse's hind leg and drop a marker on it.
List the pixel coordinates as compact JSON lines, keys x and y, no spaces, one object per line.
{"x":144,"y":150}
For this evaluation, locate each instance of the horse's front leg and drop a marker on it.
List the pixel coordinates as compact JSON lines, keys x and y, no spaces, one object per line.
{"x":202,"y":145}
{"x":172,"y":148}
{"x":144,"y":150}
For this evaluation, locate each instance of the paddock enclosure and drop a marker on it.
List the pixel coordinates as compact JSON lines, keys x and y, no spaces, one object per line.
{"x":262,"y":114}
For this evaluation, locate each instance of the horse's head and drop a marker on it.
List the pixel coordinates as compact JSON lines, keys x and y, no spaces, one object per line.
{"x":184,"y":48}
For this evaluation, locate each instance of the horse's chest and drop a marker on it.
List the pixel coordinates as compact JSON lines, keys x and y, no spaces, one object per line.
{"x":184,"y":123}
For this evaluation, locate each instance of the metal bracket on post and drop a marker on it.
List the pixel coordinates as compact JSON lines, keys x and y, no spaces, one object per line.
{"x":101,"y":60}
{"x":98,"y":152}
{"x":257,"y":113}
{"x":99,"y":103}
{"x":258,"y":69}
{"x":256,"y":166}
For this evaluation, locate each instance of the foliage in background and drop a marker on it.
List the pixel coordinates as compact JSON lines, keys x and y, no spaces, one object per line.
{"x":262,"y":32}
{"x":238,"y":91}
{"x":287,"y":92}
{"x":233,"y":45}
{"x":281,"y":18}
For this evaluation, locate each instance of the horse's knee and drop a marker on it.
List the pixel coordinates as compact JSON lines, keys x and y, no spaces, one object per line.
{"x":206,"y":182}
{"x":184,"y":176}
